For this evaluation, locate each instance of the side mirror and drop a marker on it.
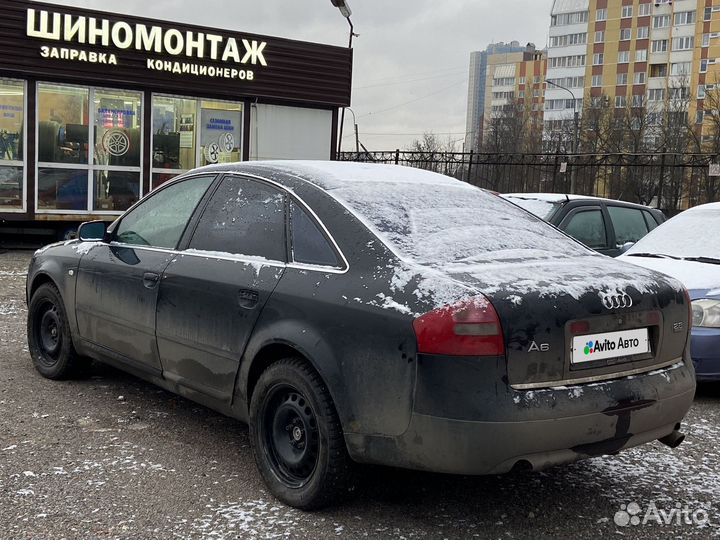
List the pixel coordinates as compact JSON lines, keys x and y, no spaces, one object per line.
{"x":92,"y":231}
{"x":626,"y":246}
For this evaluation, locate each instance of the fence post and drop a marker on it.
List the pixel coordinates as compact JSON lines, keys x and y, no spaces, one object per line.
{"x":397,"y":156}
{"x":469,"y":177}
{"x":662,"y":179}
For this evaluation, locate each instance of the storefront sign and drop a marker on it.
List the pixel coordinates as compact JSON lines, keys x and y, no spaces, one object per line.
{"x":121,"y":35}
{"x":82,"y":46}
{"x":63,"y":27}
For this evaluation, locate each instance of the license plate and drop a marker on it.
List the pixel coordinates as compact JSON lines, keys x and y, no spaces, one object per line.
{"x":609,"y":345}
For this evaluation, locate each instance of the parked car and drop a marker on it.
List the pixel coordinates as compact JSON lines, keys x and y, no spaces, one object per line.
{"x":605,"y":225}
{"x":687,"y":247}
{"x":362,"y":313}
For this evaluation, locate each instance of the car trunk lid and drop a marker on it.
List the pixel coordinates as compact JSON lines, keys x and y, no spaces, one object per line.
{"x":584,"y":318}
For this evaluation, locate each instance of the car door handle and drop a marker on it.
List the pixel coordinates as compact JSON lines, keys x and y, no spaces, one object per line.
{"x":248,"y":298}
{"x":150,"y":279}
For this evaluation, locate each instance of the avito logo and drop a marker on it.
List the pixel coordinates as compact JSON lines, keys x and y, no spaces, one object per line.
{"x":594,"y":346}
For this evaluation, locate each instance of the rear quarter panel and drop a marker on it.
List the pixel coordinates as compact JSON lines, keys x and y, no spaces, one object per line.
{"x":357,"y":335}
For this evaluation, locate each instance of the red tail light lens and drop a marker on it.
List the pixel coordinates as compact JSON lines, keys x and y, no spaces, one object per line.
{"x":579,"y":328}
{"x":469,"y":328}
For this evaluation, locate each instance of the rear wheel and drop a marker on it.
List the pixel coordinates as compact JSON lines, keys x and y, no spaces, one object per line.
{"x":48,"y":335}
{"x":297,"y":437}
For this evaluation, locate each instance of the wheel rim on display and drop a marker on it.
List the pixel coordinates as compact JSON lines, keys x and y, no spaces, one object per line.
{"x":290,"y":433}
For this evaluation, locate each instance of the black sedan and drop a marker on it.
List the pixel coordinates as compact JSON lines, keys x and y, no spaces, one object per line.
{"x":369,"y":314}
{"x":608,"y":226}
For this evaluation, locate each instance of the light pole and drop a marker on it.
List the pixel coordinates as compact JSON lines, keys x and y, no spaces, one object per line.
{"x":346,"y":12}
{"x":576,"y":137}
{"x":357,"y":136}
{"x":342,"y":5}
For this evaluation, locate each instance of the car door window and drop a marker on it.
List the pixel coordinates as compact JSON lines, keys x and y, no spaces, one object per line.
{"x":160,"y":220}
{"x":629,"y":224}
{"x":650,"y":220}
{"x":243,"y":217}
{"x":309,"y":244}
{"x":588,"y":226}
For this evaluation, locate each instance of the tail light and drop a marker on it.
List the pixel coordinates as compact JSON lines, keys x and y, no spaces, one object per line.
{"x":468,"y":328}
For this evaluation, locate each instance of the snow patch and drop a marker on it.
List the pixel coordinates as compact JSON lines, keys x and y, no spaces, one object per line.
{"x":256,"y":262}
{"x":247,"y":519}
{"x":82,"y":248}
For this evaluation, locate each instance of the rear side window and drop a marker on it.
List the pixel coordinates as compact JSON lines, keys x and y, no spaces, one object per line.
{"x":309,"y":244}
{"x":629,"y":224}
{"x":588,"y":226}
{"x":160,"y":220}
{"x":243,"y":217}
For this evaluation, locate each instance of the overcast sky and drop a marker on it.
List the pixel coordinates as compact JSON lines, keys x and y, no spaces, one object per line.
{"x":411,"y":59}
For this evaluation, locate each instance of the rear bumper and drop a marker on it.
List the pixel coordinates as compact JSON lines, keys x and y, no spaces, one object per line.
{"x":537,"y":429}
{"x":705,"y":352}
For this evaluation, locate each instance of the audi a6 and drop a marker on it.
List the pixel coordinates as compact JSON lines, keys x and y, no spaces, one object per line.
{"x":369,"y":314}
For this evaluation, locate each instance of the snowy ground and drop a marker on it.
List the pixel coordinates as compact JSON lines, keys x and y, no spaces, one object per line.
{"x":113,"y":457}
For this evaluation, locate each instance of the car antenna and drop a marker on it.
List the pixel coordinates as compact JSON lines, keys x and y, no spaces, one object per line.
{"x":567,"y":198}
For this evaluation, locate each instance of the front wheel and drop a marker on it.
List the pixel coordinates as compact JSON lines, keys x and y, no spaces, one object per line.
{"x":297,"y":438}
{"x":48,"y":335}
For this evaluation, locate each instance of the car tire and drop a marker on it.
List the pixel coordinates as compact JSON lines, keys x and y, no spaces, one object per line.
{"x":297,"y":437}
{"x":48,"y":335}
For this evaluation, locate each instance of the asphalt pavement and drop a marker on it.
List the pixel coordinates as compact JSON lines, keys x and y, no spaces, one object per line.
{"x":111,"y":456}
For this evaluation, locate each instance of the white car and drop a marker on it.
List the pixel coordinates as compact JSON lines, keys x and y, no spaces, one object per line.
{"x":687,"y":247}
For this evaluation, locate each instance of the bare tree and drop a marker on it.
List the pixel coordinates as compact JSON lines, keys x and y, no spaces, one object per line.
{"x":710,"y":144}
{"x":433,"y":154}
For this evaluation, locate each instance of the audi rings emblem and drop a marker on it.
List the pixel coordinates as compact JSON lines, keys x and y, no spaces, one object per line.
{"x":616,"y":301}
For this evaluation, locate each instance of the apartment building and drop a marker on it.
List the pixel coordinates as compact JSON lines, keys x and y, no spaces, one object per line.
{"x":631,"y":53}
{"x":498,"y":75}
{"x":531,"y":83}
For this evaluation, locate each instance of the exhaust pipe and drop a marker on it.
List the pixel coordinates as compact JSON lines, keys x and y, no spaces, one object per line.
{"x":673,"y":440}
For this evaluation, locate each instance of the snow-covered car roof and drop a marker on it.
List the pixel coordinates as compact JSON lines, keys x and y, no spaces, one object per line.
{"x":332,"y":174}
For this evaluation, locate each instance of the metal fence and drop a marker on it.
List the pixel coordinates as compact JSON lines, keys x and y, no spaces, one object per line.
{"x":671,"y":181}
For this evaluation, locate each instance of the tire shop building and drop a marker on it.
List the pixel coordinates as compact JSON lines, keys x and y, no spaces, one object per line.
{"x":97,"y":109}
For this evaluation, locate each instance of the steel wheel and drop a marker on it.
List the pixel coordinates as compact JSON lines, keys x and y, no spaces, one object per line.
{"x":49,"y":333}
{"x":291,"y":435}
{"x":297,"y":437}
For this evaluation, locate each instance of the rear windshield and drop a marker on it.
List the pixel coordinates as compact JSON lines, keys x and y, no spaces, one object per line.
{"x":448,"y":224}
{"x":542,"y":209}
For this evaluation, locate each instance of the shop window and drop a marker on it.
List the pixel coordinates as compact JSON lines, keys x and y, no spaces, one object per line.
{"x":189,"y":133}
{"x":118,"y":116}
{"x":63,"y":124}
{"x":62,"y":189}
{"x":12,"y":159}
{"x":115,"y":190}
{"x":220,"y":129}
{"x":174,"y":133}
{"x":86,"y":169}
{"x":117,"y":153}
